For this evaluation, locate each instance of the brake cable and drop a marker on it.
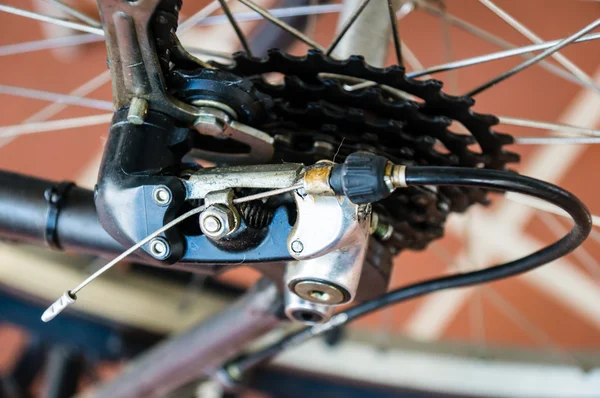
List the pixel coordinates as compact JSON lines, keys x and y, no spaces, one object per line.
{"x":402,"y":176}
{"x":367,"y":178}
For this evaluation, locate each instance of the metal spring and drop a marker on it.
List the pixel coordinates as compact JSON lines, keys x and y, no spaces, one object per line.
{"x":255,"y":214}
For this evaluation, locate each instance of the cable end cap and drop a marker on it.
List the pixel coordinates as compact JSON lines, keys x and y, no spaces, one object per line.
{"x":58,"y":306}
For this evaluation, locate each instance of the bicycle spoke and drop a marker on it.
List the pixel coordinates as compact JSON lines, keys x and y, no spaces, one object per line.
{"x":76,"y":13}
{"x":476,"y":317}
{"x":525,"y":324}
{"x":54,"y":125}
{"x":235,"y":26}
{"x":595,"y":236}
{"x":561,"y":128}
{"x":199,"y":16}
{"x":56,"y":97}
{"x":53,"y":20}
{"x":53,"y":109}
{"x":477,"y":320}
{"x":85,"y":89}
{"x":499,"y":55}
{"x":487,"y":36}
{"x":509,"y":310}
{"x":395,"y":32}
{"x":448,"y":50}
{"x":556,"y":140}
{"x":534,"y":60}
{"x":347,"y":26}
{"x":581,"y":254}
{"x":561,"y":59}
{"x":284,"y":12}
{"x":210,"y":53}
{"x":410,"y":58}
{"x":493,"y":57}
{"x":543,"y":206}
{"x":296,"y":33}
{"x":406,"y":9}
{"x":47,"y":44}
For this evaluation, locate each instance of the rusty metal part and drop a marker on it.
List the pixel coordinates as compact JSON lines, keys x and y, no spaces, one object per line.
{"x":316,"y":178}
{"x":259,"y":176}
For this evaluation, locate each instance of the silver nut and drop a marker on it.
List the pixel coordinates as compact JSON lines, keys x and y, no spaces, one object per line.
{"x":213,"y":122}
{"x":159,"y":248}
{"x":217,"y":221}
{"x":162,"y":196}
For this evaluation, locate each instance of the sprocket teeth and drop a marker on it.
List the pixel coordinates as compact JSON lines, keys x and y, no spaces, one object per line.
{"x":327,"y":110}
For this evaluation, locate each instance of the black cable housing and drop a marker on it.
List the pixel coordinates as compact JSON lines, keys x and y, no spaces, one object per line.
{"x":457,"y":176}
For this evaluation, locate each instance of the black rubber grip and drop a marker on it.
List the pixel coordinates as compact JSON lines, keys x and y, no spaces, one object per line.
{"x":360,"y":178}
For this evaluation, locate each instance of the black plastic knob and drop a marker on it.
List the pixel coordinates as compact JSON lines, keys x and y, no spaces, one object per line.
{"x":360,"y":178}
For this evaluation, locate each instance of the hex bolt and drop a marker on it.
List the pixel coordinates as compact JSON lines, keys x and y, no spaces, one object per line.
{"x":218,"y":221}
{"x":159,"y":248}
{"x":297,"y":246}
{"x":138,"y":109}
{"x":212,"y":122}
{"x":162,"y":196}
{"x":212,"y":224}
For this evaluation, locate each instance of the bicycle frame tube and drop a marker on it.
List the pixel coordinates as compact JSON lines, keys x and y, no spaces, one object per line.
{"x":24,"y":212}
{"x":200,"y":351}
{"x":25,"y":216}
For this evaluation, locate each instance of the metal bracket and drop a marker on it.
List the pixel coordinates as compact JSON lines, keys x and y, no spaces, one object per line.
{"x":326,"y":223}
{"x":138,"y":79}
{"x":134,"y":65}
{"x":330,"y":238}
{"x":213,"y":179}
{"x":219,"y":122}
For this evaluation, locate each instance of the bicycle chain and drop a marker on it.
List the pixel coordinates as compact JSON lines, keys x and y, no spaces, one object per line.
{"x":316,"y":118}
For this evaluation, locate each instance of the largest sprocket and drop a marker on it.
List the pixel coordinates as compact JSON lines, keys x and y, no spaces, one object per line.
{"x":316,"y":118}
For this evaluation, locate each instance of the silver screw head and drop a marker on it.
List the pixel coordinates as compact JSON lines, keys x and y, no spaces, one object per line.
{"x":159,"y":248}
{"x":297,"y":246}
{"x":162,"y":196}
{"x":212,"y":224}
{"x":212,"y":121}
{"x":217,"y":221}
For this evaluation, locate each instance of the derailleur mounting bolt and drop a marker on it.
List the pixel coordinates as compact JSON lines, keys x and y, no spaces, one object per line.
{"x":162,"y":196}
{"x":212,"y":122}
{"x":159,"y":248}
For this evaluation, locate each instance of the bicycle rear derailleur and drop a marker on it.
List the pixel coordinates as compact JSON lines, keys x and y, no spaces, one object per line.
{"x":312,"y":244}
{"x":173,"y":109}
